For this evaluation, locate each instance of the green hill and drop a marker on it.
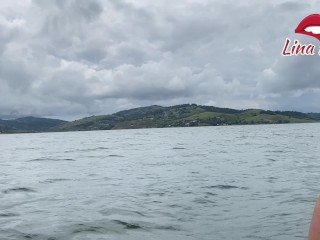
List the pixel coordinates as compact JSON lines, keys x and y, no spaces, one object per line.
{"x":184,"y":116}
{"x":28,"y":124}
{"x":187,"y":115}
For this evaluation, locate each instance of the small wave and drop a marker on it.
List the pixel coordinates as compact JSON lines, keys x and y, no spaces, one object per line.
{"x":119,"y":211}
{"x":195,"y":155}
{"x":101,"y":148}
{"x":115,"y":155}
{"x":31,"y":236}
{"x":178,"y":148}
{"x":28,"y":148}
{"x":38,"y":237}
{"x":223,"y":151}
{"x":128,"y":225}
{"x":118,"y":226}
{"x":53,"y":180}
{"x":51,"y":159}
{"x":105,"y":227}
{"x":211,"y":194}
{"x":145,"y":225}
{"x":203,"y":200}
{"x":15,"y":234}
{"x":83,"y":228}
{"x":188,"y":192}
{"x":277,"y":151}
{"x":6,"y":215}
{"x":89,"y":149}
{"x":21,"y":189}
{"x":171,"y":228}
{"x":280,"y":215}
{"x":174,"y":206}
{"x":272,"y":160}
{"x":226,"y":187}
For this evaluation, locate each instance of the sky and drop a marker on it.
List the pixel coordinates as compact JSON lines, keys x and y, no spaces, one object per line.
{"x":76,"y":58}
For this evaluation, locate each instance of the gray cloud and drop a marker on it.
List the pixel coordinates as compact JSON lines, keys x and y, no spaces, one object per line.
{"x":293,"y":6}
{"x":79,"y":57}
{"x":291,"y":76}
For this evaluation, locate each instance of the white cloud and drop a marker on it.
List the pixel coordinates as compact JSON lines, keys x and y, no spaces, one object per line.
{"x":79,"y":57}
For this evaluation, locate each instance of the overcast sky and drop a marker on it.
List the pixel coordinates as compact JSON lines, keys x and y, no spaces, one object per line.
{"x":74,"y":58}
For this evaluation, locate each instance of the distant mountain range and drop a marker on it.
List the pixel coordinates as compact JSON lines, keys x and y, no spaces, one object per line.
{"x":29,"y":124}
{"x":187,"y":115}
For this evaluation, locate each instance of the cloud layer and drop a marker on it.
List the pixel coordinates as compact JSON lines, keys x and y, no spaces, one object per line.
{"x":72,"y":58}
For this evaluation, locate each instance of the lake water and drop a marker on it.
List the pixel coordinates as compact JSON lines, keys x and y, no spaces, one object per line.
{"x":206,"y":183}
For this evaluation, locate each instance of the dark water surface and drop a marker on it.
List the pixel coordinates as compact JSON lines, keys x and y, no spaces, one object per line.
{"x":233,"y":183}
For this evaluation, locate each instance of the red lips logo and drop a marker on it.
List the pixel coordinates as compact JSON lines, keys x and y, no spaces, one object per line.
{"x":310,"y":26}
